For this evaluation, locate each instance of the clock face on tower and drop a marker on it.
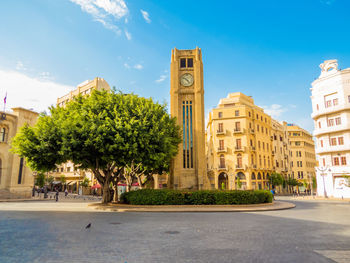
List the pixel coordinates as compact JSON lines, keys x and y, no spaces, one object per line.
{"x":186,"y":80}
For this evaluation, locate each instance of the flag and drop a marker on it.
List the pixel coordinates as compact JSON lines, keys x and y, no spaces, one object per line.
{"x":5,"y":98}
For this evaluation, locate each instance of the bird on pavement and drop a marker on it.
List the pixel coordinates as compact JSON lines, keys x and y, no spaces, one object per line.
{"x":88,"y":226}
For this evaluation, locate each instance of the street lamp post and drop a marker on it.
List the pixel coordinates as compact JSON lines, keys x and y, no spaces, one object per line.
{"x":323,"y":174}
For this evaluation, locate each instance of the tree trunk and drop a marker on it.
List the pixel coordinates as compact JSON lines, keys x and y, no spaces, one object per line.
{"x":106,"y":195}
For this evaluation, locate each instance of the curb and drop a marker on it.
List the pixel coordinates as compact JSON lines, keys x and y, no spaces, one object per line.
{"x":277,"y":205}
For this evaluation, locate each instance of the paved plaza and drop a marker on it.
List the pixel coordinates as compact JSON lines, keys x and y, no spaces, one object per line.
{"x":314,"y":231}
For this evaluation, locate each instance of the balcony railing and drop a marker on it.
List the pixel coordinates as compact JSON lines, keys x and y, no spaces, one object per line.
{"x":222,"y":167}
{"x":239,"y":149}
{"x":220,"y":132}
{"x":273,"y":152}
{"x":254,"y":166}
{"x":252,"y":148}
{"x":241,"y":167}
{"x":222,"y":149}
{"x":236,"y":131}
{"x":252,"y":131}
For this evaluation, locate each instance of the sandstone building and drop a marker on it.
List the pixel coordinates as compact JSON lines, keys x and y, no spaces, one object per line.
{"x":302,"y":154}
{"x":15,"y":176}
{"x":239,"y":143}
{"x":188,"y":168}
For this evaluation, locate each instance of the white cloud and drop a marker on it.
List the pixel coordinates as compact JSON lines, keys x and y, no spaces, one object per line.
{"x":105,"y":11}
{"x":20,"y":66}
{"x":127,"y":34}
{"x":145,"y":15}
{"x":126,"y":65}
{"x":138,"y":66}
{"x":31,"y":93}
{"x":274,"y":110}
{"x":161,"y":78}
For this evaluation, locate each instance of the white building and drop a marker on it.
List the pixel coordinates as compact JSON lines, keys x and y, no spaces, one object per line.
{"x":331,"y":113}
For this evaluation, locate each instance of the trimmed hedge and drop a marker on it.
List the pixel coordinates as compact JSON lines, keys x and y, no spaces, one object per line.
{"x":203,"y":197}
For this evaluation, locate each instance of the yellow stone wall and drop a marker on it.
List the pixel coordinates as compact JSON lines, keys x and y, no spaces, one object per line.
{"x":195,"y":175}
{"x":301,"y":143}
{"x":10,"y":163}
{"x":254,"y":151}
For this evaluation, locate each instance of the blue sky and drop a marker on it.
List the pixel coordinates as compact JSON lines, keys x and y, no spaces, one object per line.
{"x":267,"y":49}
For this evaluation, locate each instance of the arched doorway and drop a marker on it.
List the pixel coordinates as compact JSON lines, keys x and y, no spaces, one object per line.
{"x":240,"y":181}
{"x":259,"y":183}
{"x":223,"y":181}
{"x":253,"y":177}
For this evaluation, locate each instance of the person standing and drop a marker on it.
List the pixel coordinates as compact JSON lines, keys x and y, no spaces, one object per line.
{"x":57,"y":193}
{"x":65,"y":192}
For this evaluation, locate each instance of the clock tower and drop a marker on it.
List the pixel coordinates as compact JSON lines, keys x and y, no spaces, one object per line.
{"x":188,"y":168}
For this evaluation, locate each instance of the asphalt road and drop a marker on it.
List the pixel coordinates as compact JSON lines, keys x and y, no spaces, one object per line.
{"x":311,"y":232}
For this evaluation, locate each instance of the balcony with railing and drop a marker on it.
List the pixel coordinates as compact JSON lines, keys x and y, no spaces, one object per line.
{"x":222,"y":149}
{"x":222,"y":168}
{"x":221,"y":132}
{"x":251,"y":131}
{"x":240,"y":148}
{"x":238,"y":131}
{"x":252,"y":148}
{"x":241,"y":167}
{"x":328,"y":110}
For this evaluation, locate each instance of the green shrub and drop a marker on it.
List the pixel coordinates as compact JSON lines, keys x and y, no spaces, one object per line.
{"x":203,"y":197}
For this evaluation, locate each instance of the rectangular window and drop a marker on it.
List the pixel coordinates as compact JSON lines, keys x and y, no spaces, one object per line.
{"x":333,"y":141}
{"x":187,"y":134}
{"x":183,"y":63}
{"x":330,"y":122}
{"x":221,"y":127}
{"x":221,"y":144}
{"x":238,"y":126}
{"x":20,"y":171}
{"x":349,"y":98}
{"x":343,"y":160}
{"x":321,"y":143}
{"x":338,"y":121}
{"x":340,"y":140}
{"x":220,"y":114}
{"x":317,"y":107}
{"x":238,"y":143}
{"x":190,"y":63}
{"x":328,"y":103}
{"x":257,"y":127}
{"x":237,"y":113}
{"x":335,"y":161}
{"x":335,"y":102}
{"x":319,"y":124}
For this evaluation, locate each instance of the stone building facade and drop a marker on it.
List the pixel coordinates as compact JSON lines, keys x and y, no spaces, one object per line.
{"x":331,"y":114}
{"x":302,"y":154}
{"x":239,"y":144}
{"x":15,"y":175}
{"x":188,"y":168}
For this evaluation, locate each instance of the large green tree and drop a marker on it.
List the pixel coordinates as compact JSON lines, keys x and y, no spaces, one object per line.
{"x":103,"y":132}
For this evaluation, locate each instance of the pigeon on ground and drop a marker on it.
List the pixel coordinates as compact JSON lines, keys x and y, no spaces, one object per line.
{"x":88,"y":226}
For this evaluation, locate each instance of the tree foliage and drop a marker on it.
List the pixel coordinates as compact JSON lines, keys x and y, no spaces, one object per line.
{"x":103,"y":132}
{"x":276,"y":179}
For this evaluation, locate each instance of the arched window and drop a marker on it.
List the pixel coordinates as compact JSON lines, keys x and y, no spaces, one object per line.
{"x":3,"y":134}
{"x":222,"y":161}
{"x":253,"y":176}
{"x":223,"y":181}
{"x":239,"y":160}
{"x":252,"y":159}
{"x":263,"y":176}
{"x":264,"y":161}
{"x":241,"y":176}
{"x":259,"y":176}
{"x":0,"y":170}
{"x":260,"y":160}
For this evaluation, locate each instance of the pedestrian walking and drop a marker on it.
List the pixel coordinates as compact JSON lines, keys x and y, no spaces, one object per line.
{"x":273,"y":193}
{"x":57,"y":193}
{"x":65,"y":192}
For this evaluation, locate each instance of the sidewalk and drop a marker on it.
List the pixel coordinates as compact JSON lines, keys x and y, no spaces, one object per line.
{"x":312,"y":198}
{"x":52,"y":196}
{"x":277,"y":205}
